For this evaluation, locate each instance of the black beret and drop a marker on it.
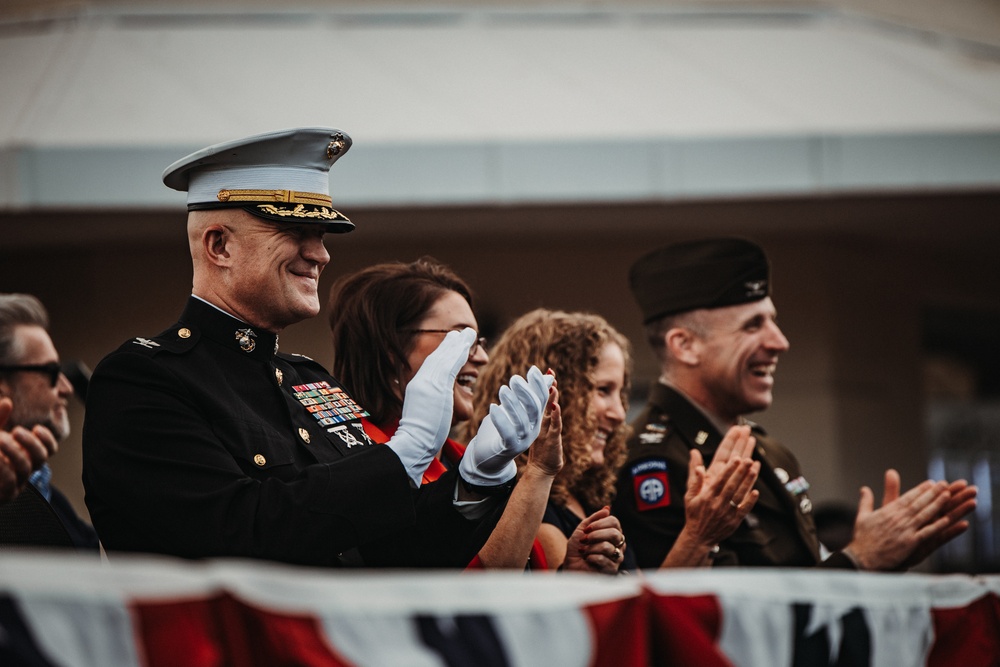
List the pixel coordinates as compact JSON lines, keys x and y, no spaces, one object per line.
{"x":699,"y":274}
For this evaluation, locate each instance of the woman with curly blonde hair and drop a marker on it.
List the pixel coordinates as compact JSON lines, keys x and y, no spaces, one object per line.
{"x":591,"y":361}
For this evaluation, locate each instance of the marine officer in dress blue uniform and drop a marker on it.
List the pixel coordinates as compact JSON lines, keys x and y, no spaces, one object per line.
{"x":206,"y":440}
{"x":711,"y":322}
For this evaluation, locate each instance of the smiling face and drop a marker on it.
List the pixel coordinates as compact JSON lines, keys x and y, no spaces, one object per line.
{"x":606,"y":405}
{"x":273,"y":276}
{"x":35,"y":400}
{"x":736,"y":359}
{"x":450,"y":312}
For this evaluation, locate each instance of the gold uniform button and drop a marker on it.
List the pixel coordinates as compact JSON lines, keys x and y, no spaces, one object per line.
{"x":259,"y":459}
{"x":184,"y":333}
{"x":278,"y":375}
{"x":304,"y":434}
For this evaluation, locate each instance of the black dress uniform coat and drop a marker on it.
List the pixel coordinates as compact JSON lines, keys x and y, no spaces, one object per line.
{"x":204,"y":441}
{"x":779,"y":531}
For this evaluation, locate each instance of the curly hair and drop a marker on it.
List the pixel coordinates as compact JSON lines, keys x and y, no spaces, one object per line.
{"x":370,"y":312}
{"x":569,"y":344}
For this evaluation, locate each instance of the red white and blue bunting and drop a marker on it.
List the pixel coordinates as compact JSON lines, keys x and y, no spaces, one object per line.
{"x":155,"y":612}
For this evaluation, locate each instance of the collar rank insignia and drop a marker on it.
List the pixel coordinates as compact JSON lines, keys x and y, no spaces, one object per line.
{"x":145,"y":342}
{"x":245,"y":339}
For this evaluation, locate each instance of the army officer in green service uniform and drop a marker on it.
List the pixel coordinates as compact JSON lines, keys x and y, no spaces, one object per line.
{"x":711,"y":322}
{"x":207,"y":441}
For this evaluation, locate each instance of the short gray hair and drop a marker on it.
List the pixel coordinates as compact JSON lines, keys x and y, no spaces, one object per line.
{"x":656,"y":331}
{"x":18,"y":310}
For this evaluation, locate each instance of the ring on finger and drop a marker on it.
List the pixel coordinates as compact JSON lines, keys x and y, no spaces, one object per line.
{"x":733,"y":505}
{"x":616,"y":554}
{"x":620,"y":544}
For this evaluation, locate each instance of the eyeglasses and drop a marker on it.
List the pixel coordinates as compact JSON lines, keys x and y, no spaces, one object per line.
{"x":52,"y":369}
{"x":480,"y":340}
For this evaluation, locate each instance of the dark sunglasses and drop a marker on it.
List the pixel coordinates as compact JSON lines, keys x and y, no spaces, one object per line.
{"x":52,"y":369}
{"x":480,"y":341}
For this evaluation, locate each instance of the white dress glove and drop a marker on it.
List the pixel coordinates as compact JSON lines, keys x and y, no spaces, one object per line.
{"x":428,"y":404}
{"x":507,"y":430}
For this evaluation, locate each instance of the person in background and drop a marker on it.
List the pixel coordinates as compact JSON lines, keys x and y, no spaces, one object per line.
{"x":385,"y":320}
{"x":711,"y":322}
{"x":33,"y":399}
{"x":207,"y":441}
{"x":592,"y":361}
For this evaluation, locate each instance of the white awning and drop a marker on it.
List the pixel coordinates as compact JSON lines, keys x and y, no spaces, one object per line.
{"x":466,"y":106}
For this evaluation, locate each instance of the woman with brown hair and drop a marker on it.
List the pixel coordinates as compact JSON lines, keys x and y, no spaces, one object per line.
{"x":385,"y":320}
{"x":591,"y":360}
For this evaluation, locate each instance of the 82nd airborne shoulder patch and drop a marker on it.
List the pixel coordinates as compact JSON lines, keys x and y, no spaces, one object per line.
{"x":649,"y":480}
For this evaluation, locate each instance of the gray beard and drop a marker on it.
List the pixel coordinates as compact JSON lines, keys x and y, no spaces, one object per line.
{"x":59,"y":431}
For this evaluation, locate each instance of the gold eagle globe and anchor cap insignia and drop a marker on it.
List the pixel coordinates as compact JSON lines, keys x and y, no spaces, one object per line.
{"x":281,"y":176}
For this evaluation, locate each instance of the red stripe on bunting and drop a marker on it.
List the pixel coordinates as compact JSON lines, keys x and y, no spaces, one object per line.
{"x":183,"y":632}
{"x":686,"y":630}
{"x":968,"y":635}
{"x":225,"y":631}
{"x":619,"y":632}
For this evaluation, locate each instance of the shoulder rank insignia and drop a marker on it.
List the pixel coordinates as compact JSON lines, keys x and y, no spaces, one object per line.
{"x":649,"y":480}
{"x":145,"y":342}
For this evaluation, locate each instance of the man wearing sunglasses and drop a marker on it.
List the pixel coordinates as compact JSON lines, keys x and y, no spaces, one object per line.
{"x":33,"y":399}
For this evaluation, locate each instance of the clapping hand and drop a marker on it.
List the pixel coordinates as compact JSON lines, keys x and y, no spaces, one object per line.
{"x":908,"y":527}
{"x":717,"y":499}
{"x":22,"y":452}
{"x":597,"y":544}
{"x":546,"y":454}
{"x":507,"y":431}
{"x":428,"y":404}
